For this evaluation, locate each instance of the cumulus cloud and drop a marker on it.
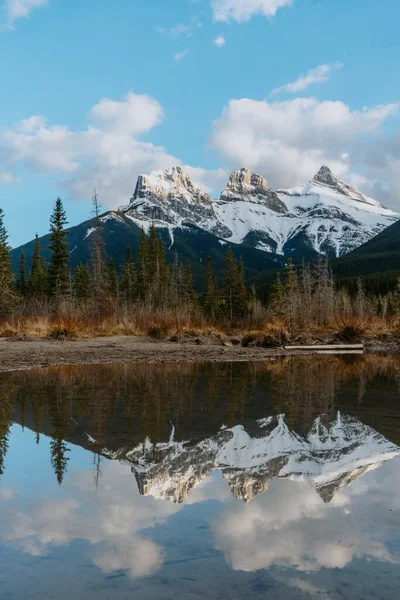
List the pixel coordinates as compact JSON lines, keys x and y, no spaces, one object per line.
{"x":111,"y":523}
{"x":220,"y":41}
{"x":242,"y":10}
{"x":291,"y":527}
{"x":180,"y":55}
{"x":289,"y":141}
{"x":20,"y":9}
{"x":320,"y":74}
{"x":108,"y":154}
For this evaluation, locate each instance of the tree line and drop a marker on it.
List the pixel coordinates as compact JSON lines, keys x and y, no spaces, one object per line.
{"x":301,"y":296}
{"x":147,"y":278}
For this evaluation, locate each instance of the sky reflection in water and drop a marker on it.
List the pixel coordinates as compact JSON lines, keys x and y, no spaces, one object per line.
{"x":95,"y":535}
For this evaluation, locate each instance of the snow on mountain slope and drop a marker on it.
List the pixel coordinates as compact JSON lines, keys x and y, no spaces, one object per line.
{"x":330,"y":457}
{"x":325,"y":216}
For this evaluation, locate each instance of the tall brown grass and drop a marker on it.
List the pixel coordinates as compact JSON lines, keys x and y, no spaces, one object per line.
{"x":71,"y":320}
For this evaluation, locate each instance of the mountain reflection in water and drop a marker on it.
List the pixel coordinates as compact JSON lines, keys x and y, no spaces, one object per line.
{"x":308,"y":445}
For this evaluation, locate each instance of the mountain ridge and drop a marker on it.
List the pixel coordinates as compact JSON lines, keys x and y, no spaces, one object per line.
{"x":322,"y":217}
{"x":329,"y":457}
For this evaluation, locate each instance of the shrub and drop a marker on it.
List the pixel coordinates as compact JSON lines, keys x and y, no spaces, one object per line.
{"x":351,"y":329}
{"x":157,"y":332}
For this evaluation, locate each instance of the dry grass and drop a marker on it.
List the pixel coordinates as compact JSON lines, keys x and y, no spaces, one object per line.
{"x":73,"y":322}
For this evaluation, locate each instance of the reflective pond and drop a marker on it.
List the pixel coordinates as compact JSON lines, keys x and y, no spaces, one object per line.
{"x":276,"y":480}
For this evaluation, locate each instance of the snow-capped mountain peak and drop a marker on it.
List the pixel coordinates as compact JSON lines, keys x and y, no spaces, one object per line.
{"x":169,"y":198}
{"x":171,"y":183}
{"x":246,"y":186}
{"x":325,"y":216}
{"x":332,"y":455}
{"x":327,"y":178}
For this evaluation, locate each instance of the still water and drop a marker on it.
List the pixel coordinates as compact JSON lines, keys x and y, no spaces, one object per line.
{"x":232,"y":481}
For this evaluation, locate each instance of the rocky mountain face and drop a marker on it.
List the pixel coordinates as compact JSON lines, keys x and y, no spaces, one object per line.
{"x":169,"y":197}
{"x":322,"y":217}
{"x":328,"y":458}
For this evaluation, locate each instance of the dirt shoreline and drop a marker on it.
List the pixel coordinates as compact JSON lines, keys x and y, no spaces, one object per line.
{"x":25,"y":354}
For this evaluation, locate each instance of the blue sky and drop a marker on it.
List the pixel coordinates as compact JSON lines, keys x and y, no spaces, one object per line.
{"x":95,"y":93}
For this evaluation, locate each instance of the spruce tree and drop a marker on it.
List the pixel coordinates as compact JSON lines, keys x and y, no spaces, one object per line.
{"x":59,"y":459}
{"x":81,"y":284}
{"x":37,"y":282}
{"x":291,"y":294}
{"x":277,"y":295}
{"x":58,"y":273}
{"x":190,"y":292}
{"x":164,"y":275}
{"x":241,"y":295}
{"x":235,"y":295}
{"x":177,"y":281}
{"x":22,"y":284}
{"x":142,"y":282}
{"x":6,"y":276}
{"x":127,"y":285}
{"x":211,"y":298}
{"x":97,"y":263}
{"x":153,"y":267}
{"x":112,"y":279}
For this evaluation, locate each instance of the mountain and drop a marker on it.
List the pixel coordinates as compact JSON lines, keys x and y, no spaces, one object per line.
{"x":325,"y":216}
{"x":328,"y":458}
{"x":377,"y":261}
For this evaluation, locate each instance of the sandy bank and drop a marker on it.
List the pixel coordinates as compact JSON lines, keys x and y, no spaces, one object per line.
{"x":30,"y":353}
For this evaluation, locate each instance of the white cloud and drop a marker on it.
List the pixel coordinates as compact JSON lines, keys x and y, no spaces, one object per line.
{"x":181,"y":29}
{"x":180,"y":55}
{"x":136,"y":114}
{"x":291,"y":527}
{"x":175,"y":31}
{"x":20,"y":9}
{"x":107,"y":154}
{"x":320,"y":74}
{"x":220,"y":41}
{"x":6,"y":178}
{"x":288,"y":141}
{"x":243,"y":10}
{"x":112,"y":526}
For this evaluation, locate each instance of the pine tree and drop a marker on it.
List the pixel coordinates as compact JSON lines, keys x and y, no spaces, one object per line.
{"x":291,"y":294}
{"x":81,"y":284}
{"x":324,"y":291}
{"x":306,"y":295}
{"x":235,"y":295}
{"x":211,"y":298}
{"x":98,"y":268}
{"x":277,"y":295}
{"x":190,"y":292}
{"x":6,"y":410}
{"x":21,"y":284}
{"x":241,"y":297}
{"x":58,"y":273}
{"x":59,"y":460}
{"x":112,"y":279}
{"x":127,"y":285}
{"x":153,"y":267}
{"x":360,"y":301}
{"x":6,"y":276}
{"x":142,"y":282}
{"x":37,"y":282}
{"x":177,"y":286}
{"x":164,"y":274}
{"x":229,"y":283}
